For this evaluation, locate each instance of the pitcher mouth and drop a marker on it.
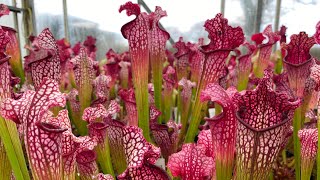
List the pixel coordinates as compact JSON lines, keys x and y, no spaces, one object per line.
{"x":5,"y":59}
{"x":296,"y":65}
{"x":50,"y":127}
{"x":284,"y":121}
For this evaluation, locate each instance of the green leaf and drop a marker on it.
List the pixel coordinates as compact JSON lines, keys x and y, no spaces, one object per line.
{"x":12,"y":144}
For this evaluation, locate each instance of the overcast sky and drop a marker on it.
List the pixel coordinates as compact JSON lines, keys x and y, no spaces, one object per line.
{"x":181,"y":14}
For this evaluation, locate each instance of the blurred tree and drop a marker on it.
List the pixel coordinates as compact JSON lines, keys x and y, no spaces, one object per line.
{"x":79,"y":29}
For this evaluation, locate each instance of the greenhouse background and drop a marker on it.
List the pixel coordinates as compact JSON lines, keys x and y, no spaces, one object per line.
{"x":77,"y":19}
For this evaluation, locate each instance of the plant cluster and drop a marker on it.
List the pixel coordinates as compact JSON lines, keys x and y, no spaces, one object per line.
{"x":66,"y":115}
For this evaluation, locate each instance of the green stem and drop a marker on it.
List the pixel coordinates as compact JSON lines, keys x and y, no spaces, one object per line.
{"x":76,"y":119}
{"x":85,"y":92}
{"x":11,"y":141}
{"x":78,"y":177}
{"x":112,"y":93}
{"x":296,"y":141}
{"x":179,"y":108}
{"x":15,"y":60}
{"x":168,"y":96}
{"x":5,"y":167}
{"x":278,"y":66}
{"x":156,"y":65}
{"x":118,"y":158}
{"x":291,"y":164}
{"x":104,"y":159}
{"x":196,"y":119}
{"x":284,"y":156}
{"x":223,"y":169}
{"x":142,"y":100}
{"x":72,"y":79}
{"x":258,"y":66}
{"x":242,"y":83}
{"x":124,"y":83}
{"x":271,"y":177}
{"x":170,"y":175}
{"x":184,"y":109}
{"x":306,"y":168}
{"x":85,"y":97}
